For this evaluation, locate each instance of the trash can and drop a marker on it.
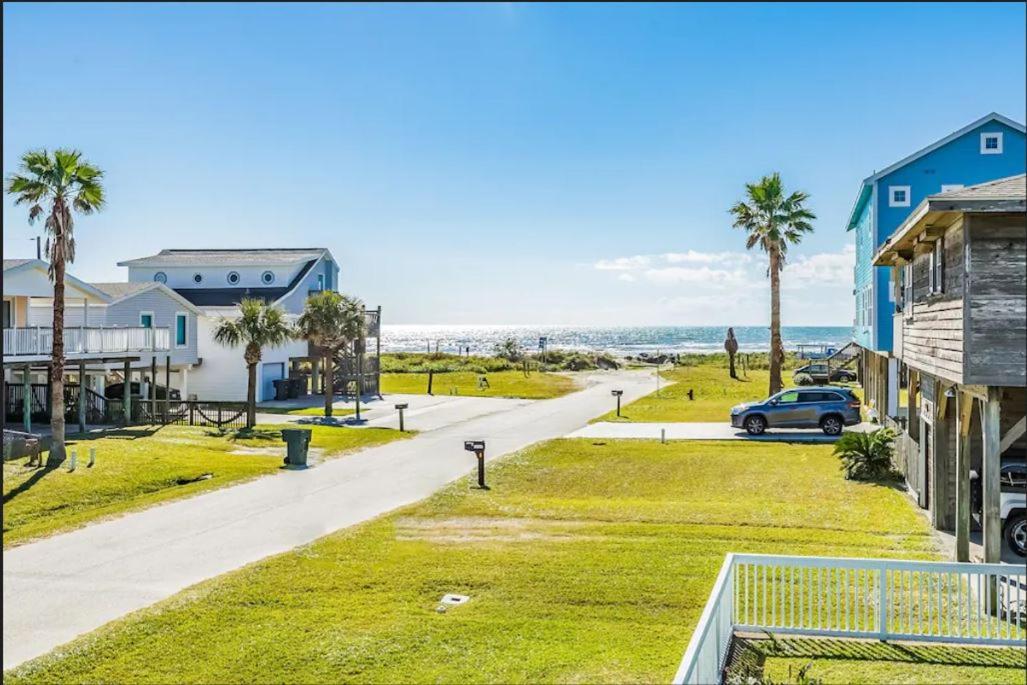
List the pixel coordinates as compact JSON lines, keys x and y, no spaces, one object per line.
{"x":296,"y":387}
{"x":281,"y":389}
{"x":296,"y":440}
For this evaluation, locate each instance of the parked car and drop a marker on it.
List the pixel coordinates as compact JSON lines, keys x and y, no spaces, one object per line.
{"x":1012,"y":502}
{"x":116,"y":391}
{"x":825,"y":407}
{"x":818,"y":372}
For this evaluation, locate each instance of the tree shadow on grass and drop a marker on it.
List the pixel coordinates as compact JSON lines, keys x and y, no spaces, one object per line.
{"x":258,"y":434}
{"x":37,"y":476}
{"x":872,"y":650}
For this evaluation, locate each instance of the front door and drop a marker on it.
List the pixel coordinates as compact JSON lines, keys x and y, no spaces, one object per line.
{"x":786,"y":412}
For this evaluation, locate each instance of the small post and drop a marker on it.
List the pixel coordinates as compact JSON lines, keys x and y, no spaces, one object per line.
{"x":478,"y":447}
{"x":663,"y":436}
{"x":431,"y":377}
{"x":617,"y":394}
{"x":74,"y":461}
{"x":126,"y":395}
{"x":153,"y":389}
{"x":92,"y":457}
{"x":26,"y":399}
{"x":691,"y":394}
{"x":81,"y":397}
{"x":400,"y":408}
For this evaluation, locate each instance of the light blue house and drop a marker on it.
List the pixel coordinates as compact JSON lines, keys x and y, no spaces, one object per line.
{"x":990,"y":148}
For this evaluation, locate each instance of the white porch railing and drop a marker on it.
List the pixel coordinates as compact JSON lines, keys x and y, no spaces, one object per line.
{"x":25,"y":342}
{"x":867,"y":598}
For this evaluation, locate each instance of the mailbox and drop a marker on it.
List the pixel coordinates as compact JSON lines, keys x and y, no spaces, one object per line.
{"x":402,"y":406}
{"x":474,"y":445}
{"x":616,"y":393}
{"x":478,"y":447}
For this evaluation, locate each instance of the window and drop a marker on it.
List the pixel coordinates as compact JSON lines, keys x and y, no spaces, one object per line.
{"x":937,"y":276}
{"x":946,"y":187}
{"x":320,"y":281}
{"x":233,"y":278}
{"x":160,"y":277}
{"x":810,"y":396}
{"x":991,"y":143}
{"x":181,"y":329}
{"x":898,"y":196}
{"x":146,"y":319}
{"x":197,"y":278}
{"x":788,"y":398}
{"x":267,"y":278}
{"x":8,"y":321}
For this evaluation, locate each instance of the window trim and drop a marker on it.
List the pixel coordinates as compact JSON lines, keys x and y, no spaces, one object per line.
{"x":985,"y":150}
{"x":228,"y":278}
{"x":197,"y":278}
{"x":160,"y":277}
{"x":907,"y":289}
{"x":185,"y":329}
{"x":938,"y":266}
{"x":946,"y":187}
{"x":153,"y":319}
{"x":892,"y":202}
{"x":266,"y":281}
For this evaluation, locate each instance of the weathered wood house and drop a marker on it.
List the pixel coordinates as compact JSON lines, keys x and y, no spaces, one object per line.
{"x":960,"y":272}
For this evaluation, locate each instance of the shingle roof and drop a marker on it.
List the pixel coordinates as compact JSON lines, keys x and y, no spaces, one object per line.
{"x":1010,"y":188}
{"x":242,"y":257}
{"x":119,"y":290}
{"x":11,"y":263}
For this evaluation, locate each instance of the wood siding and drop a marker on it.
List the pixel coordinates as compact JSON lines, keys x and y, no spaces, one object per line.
{"x":995,"y":326}
{"x":932,"y":338}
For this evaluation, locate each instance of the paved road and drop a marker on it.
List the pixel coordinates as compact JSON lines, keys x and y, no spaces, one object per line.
{"x":423,"y":413}
{"x":61,"y":587}
{"x":701,"y":431}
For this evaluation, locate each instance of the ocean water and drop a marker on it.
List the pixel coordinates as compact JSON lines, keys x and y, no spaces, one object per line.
{"x":620,"y":340}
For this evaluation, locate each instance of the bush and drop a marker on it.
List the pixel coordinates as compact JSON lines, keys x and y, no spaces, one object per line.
{"x":803,"y":379}
{"x":867,"y":456}
{"x":509,"y":349}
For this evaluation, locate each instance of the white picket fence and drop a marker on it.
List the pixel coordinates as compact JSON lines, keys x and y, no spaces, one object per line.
{"x":960,"y":603}
{"x":77,"y":341}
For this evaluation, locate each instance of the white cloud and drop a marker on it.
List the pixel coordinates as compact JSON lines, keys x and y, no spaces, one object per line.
{"x":703,"y":275}
{"x":626,"y":277}
{"x":824,"y":269}
{"x":693,"y":257}
{"x":623,"y":263}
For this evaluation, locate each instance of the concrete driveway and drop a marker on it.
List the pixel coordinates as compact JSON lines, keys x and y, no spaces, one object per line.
{"x":703,"y":431}
{"x":70,"y":584}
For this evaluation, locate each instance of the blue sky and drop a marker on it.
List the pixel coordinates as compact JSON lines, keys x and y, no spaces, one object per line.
{"x":499,"y":163}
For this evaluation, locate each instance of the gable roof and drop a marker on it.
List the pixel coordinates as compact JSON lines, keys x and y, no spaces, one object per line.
{"x":864,"y":190}
{"x":122,"y":291}
{"x":231,"y":257}
{"x":1004,"y":195}
{"x":12,"y":266}
{"x":229,"y":297}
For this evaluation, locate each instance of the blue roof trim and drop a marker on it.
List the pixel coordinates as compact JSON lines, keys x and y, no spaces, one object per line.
{"x":865,"y":190}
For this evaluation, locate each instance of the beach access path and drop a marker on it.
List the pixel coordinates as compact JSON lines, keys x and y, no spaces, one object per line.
{"x":61,"y":587}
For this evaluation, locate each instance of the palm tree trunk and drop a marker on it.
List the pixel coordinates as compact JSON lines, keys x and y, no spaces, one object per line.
{"x":57,"y":449}
{"x":329,"y":382}
{"x":251,"y":396}
{"x":776,"y":349}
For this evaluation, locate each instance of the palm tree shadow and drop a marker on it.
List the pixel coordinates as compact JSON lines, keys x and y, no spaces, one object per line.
{"x":29,"y":482}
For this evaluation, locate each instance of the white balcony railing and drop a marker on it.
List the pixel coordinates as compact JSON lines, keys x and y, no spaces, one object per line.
{"x":865,"y":598}
{"x":26,"y":342}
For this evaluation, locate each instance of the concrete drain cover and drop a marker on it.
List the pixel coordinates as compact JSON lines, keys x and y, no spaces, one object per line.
{"x":454,"y":600}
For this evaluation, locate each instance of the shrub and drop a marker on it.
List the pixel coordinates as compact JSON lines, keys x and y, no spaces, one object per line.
{"x":509,"y":349}
{"x":803,"y":379}
{"x":866,"y":456}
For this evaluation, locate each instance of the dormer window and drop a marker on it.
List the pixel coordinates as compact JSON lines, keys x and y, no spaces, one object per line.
{"x":991,"y":143}
{"x":160,"y":277}
{"x":267,"y":278}
{"x":898,"y":196}
{"x":197,"y":278}
{"x":233,"y":278}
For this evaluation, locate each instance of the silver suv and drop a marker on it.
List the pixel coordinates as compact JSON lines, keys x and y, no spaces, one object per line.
{"x":825,"y":407}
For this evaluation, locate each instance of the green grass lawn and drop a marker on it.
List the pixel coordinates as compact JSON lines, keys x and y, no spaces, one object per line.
{"x":142,"y":466}
{"x":714,"y":393}
{"x":535,"y":386}
{"x":850,"y":661}
{"x":587,"y":561}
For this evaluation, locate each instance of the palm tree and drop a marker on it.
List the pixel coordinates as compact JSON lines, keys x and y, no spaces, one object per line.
{"x":333,"y":323}
{"x":55,"y":185}
{"x":259,"y":325}
{"x":773,"y":221}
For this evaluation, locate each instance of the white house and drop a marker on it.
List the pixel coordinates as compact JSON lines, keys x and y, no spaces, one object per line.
{"x":214,"y":282}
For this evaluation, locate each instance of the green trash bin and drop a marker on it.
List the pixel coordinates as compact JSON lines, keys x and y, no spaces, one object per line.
{"x":297,"y":440}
